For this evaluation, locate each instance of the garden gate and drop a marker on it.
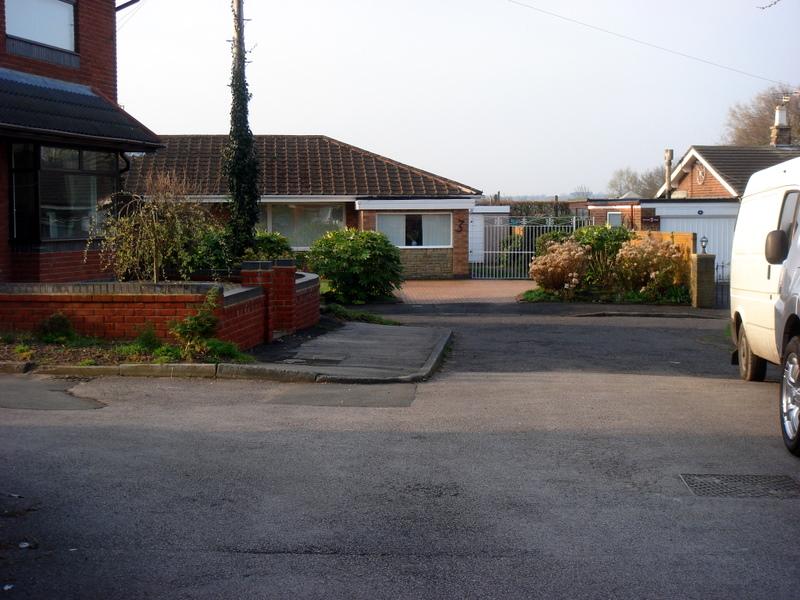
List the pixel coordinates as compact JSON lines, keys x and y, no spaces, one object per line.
{"x":501,"y":247}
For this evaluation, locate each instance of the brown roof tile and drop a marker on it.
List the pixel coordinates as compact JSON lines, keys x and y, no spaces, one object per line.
{"x":294,"y":165}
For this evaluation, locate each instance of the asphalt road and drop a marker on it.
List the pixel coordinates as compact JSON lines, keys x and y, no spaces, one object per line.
{"x":544,"y":461}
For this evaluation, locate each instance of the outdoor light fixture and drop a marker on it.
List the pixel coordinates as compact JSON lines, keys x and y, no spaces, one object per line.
{"x":703,"y":243}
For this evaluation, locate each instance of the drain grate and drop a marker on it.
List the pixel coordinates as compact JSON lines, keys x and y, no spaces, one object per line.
{"x":742,"y":486}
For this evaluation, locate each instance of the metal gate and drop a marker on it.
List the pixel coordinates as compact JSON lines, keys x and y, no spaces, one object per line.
{"x":501,"y":247}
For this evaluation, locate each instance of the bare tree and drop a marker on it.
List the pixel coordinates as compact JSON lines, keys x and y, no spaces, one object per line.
{"x":644,"y":184}
{"x":650,"y":181}
{"x":749,"y":123}
{"x":623,"y":181}
{"x":582,"y":192}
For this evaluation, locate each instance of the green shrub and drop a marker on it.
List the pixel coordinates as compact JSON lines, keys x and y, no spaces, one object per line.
{"x":87,"y":362}
{"x":359,"y":265}
{"x":147,"y":338}
{"x":166,"y":353}
{"x":268,"y":245}
{"x":56,"y":329}
{"x":208,"y":249}
{"x":550,"y":237}
{"x":23,"y":351}
{"x":193,"y":332}
{"x":604,"y":243}
{"x":7,"y":338}
{"x":219,"y":350}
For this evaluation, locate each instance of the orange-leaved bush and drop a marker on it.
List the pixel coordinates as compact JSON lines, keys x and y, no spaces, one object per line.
{"x":561,"y":268}
{"x":650,"y":266}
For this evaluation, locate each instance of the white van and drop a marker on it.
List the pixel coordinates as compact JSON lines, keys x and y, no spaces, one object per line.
{"x":765,"y":286}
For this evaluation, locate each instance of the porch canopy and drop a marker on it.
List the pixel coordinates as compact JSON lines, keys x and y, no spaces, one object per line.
{"x":53,"y":111}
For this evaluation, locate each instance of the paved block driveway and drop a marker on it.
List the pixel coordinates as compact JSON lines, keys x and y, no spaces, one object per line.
{"x":544,"y":461}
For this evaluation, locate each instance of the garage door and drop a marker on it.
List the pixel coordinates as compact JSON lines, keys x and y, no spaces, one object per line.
{"x":718,"y":230}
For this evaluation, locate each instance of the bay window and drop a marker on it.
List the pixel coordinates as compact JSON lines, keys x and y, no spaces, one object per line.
{"x":302,"y":224}
{"x":56,"y":191}
{"x":417,"y":230}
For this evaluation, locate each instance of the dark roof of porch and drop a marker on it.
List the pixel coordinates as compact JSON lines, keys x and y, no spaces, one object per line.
{"x":34,"y":107}
{"x":294,"y":165}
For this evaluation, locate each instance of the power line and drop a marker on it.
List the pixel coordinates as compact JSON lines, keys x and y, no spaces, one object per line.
{"x":127,"y":18}
{"x":648,"y":44}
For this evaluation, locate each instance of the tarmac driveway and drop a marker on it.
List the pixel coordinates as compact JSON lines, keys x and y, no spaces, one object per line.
{"x":549,"y":459}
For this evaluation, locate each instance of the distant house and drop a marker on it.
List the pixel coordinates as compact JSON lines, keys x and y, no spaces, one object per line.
{"x":63,"y":138}
{"x":311,"y":184}
{"x":706,"y":186}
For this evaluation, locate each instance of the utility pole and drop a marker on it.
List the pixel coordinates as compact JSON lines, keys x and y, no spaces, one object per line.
{"x":238,"y":32}
{"x":668,"y":173}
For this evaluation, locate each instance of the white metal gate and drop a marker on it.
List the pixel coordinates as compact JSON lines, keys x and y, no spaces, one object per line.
{"x":501,"y":247}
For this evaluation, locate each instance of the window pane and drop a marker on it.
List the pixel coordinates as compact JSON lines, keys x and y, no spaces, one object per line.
{"x":302,"y":224}
{"x":788,"y":214}
{"x":436,"y":230}
{"x":50,"y":22}
{"x":614,"y":219}
{"x":23,"y":206}
{"x":68,"y":203}
{"x":413,"y":230}
{"x":60,"y":158}
{"x":99,"y":161}
{"x":23,"y":156}
{"x":393,"y":227}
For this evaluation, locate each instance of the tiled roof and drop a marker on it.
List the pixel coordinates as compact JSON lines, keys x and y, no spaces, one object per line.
{"x":736,"y":164}
{"x":294,"y":165}
{"x":31,"y":105}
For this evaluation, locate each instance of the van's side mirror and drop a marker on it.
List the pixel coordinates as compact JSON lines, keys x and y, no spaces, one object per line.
{"x":777,"y":247}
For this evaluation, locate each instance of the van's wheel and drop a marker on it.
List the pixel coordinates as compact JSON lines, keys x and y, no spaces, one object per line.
{"x":751,"y":367}
{"x":790,"y":397}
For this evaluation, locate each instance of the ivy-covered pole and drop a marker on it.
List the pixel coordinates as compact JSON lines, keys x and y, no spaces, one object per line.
{"x":240,"y":164}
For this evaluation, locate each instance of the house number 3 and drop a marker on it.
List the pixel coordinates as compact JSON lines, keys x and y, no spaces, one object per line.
{"x":460,"y":227}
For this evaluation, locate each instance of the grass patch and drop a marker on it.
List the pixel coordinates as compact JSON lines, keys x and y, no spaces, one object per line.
{"x":539,"y":295}
{"x":337,"y":311}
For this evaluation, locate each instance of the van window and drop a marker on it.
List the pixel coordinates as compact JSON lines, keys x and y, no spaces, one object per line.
{"x":788,"y":214}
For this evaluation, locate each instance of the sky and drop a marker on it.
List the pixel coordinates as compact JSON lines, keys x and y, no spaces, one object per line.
{"x":487,"y":92}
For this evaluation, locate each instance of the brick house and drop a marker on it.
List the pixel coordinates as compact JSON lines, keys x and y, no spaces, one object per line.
{"x":63,"y":138}
{"x":311,"y":184}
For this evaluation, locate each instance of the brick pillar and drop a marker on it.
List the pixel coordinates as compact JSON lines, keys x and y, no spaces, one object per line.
{"x":368,"y":220}
{"x":261,"y":274}
{"x":285,"y":296}
{"x":703,"y":285}
{"x":460,"y":244}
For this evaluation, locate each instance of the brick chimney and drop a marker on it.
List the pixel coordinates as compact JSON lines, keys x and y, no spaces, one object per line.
{"x":781,"y":132}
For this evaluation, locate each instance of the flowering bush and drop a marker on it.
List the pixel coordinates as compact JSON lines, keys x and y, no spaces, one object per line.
{"x":562,"y":268}
{"x":604,"y":244}
{"x":650,"y":267}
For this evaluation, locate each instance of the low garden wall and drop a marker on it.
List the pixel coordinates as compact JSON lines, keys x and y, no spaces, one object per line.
{"x":271,"y":298}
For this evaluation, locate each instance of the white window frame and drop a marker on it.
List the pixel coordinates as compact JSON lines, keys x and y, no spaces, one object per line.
{"x":615,"y":212}
{"x":270,"y":204}
{"x":73,"y":33}
{"x":422,"y":213}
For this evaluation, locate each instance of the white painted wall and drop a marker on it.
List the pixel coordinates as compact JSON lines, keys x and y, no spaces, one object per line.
{"x":476,"y":242}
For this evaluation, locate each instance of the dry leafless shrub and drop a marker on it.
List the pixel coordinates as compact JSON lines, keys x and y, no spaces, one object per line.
{"x":562,"y":268}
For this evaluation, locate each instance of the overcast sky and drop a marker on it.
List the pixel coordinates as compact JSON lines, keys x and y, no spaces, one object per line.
{"x":487,"y":92}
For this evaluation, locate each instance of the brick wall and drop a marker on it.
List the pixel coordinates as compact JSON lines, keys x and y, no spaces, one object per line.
{"x":243,"y":323}
{"x":5,"y":211}
{"x":427,"y":263}
{"x":57,"y":267}
{"x":709,"y":188}
{"x":351,"y":215}
{"x":307,"y":306}
{"x":631,"y":216}
{"x":96,"y":45}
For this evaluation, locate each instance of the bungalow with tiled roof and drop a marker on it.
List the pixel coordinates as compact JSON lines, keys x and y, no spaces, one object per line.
{"x":311,"y":184}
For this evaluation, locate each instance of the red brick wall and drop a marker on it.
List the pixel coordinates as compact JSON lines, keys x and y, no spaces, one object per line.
{"x":460,"y":243}
{"x":351,"y":215}
{"x":709,"y":188}
{"x":96,"y":44}
{"x":57,"y":267}
{"x":307,"y":307}
{"x":243,"y":323}
{"x":284,"y":299}
{"x":5,"y":233}
{"x":631,"y":216}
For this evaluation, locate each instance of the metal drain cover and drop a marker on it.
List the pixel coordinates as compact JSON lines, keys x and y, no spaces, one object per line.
{"x":742,"y":486}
